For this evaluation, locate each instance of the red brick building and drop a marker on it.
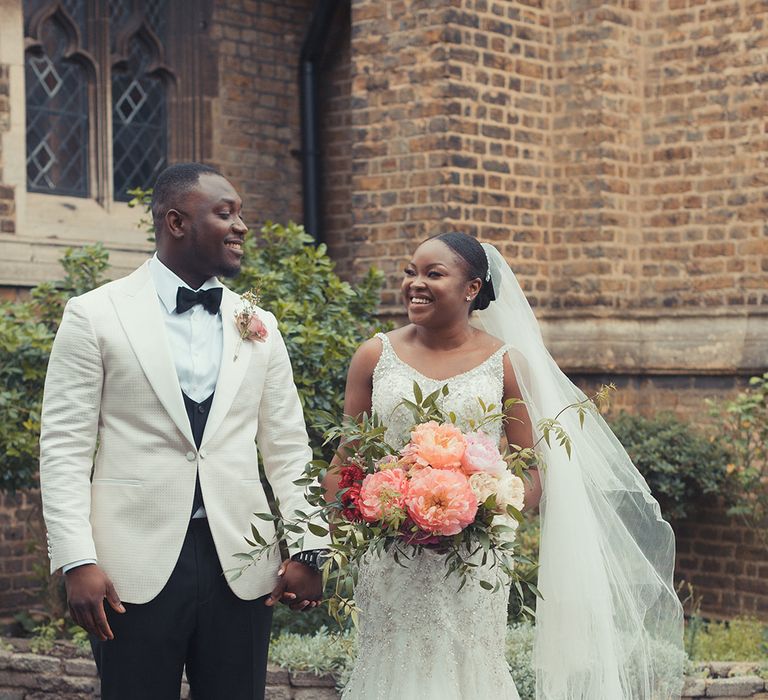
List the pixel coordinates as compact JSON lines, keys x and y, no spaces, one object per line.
{"x":615,"y":151}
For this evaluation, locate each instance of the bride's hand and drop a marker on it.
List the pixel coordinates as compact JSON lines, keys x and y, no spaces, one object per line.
{"x":299,"y":586}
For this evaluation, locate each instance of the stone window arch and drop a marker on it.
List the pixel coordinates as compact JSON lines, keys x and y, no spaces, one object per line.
{"x":120,"y":119}
{"x":59,"y":77}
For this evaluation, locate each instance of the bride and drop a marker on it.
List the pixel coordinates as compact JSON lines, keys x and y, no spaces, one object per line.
{"x":609,"y":625}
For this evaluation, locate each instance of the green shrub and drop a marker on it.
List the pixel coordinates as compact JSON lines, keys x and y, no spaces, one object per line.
{"x":27,"y":328}
{"x":319,"y":653}
{"x":322,"y":318}
{"x":740,"y":639}
{"x":744,"y":430}
{"x":679,"y":463}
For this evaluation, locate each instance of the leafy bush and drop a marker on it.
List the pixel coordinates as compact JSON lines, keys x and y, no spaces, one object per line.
{"x":740,"y":639}
{"x":27,"y":328}
{"x":322,"y":318}
{"x":678,"y":463}
{"x":319,"y":653}
{"x":744,"y":429}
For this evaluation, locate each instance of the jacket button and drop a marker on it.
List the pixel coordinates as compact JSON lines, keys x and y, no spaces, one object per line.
{"x":191,"y":456}
{"x":203,"y":454}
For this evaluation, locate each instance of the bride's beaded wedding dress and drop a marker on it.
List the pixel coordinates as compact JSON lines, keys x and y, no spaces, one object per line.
{"x":420,"y":638}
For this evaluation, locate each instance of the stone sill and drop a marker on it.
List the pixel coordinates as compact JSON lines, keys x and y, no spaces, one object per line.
{"x":69,"y":673}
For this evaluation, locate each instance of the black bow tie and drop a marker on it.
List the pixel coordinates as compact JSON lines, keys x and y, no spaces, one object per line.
{"x":209,"y":299}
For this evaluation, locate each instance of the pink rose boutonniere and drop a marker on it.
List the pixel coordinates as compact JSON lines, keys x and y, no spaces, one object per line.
{"x":248,"y":323}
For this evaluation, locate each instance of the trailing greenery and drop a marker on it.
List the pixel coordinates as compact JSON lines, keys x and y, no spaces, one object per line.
{"x":679,"y":463}
{"x":527,"y":545}
{"x":743,"y":424}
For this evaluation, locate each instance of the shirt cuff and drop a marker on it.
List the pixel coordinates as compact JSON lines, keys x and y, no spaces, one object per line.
{"x":74,"y":564}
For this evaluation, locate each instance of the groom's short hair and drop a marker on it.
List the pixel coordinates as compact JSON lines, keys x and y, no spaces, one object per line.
{"x":175,"y":181}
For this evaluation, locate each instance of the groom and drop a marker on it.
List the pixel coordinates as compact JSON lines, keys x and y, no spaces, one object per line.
{"x":152,"y":412}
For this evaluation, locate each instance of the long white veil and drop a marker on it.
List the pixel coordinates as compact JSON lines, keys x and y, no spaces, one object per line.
{"x":610,"y":625}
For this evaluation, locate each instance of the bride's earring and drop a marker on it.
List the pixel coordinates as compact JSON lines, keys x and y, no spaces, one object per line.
{"x":468,"y":298}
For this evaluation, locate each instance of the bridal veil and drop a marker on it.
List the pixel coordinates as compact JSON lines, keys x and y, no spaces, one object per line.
{"x":610,"y":625}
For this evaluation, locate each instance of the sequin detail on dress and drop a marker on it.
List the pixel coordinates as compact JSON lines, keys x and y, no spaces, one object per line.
{"x":419,"y":637}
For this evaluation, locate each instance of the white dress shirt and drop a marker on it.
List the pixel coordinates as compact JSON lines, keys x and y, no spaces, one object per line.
{"x":195,"y":339}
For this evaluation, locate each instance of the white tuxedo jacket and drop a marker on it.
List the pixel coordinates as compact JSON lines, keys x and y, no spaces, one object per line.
{"x":117,"y":457}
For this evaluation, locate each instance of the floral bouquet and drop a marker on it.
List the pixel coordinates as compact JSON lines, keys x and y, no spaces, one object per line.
{"x":446,"y":489}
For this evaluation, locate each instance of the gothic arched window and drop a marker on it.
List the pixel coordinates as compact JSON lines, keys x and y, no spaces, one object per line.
{"x":57,"y":109}
{"x":87,"y":61}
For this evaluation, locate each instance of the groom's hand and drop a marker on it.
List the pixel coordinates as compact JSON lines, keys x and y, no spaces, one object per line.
{"x":87,"y":587}
{"x":299,"y":586}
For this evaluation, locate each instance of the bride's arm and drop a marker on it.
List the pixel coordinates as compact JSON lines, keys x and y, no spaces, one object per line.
{"x":357,"y":400}
{"x":520,"y":432}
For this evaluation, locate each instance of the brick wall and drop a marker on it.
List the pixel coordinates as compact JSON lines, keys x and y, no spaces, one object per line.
{"x":705,"y":191}
{"x":23,"y":561}
{"x":615,"y":151}
{"x":254,"y":121}
{"x":725,"y":561}
{"x":596,"y":141}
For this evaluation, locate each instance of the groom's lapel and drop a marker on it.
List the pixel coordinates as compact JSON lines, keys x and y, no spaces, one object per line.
{"x":138,"y":309}
{"x":232,"y":370}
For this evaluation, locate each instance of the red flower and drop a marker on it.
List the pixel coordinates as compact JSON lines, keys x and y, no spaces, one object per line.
{"x":351,"y":479}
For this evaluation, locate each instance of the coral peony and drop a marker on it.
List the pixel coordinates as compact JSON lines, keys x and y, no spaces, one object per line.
{"x":482,"y":455}
{"x":382,"y":496}
{"x":441,"y":502}
{"x":438,"y":446}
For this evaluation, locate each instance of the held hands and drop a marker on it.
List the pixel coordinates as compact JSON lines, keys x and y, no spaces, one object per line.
{"x":299,"y":586}
{"x":87,"y":587}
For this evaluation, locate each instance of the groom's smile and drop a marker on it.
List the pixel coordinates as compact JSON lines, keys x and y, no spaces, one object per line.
{"x":206,"y":232}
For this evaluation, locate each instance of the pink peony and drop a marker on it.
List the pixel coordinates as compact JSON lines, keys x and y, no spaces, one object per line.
{"x":438,"y":446}
{"x":382,"y":496}
{"x":440,"y":501}
{"x":482,"y":455}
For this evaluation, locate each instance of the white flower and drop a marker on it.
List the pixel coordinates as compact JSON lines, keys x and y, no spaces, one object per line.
{"x":511,"y":491}
{"x":484,"y":485}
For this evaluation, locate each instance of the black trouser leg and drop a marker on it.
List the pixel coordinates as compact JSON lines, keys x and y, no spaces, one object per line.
{"x":227,"y":658}
{"x":197,"y":620}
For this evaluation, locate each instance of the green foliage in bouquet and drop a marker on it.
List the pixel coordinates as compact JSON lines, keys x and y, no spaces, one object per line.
{"x":743,"y":424}
{"x":322,"y":318}
{"x":478,"y":540}
{"x":27,"y":328}
{"x":679,"y":463}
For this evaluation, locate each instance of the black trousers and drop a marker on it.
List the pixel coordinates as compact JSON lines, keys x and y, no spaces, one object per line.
{"x":195,"y":621}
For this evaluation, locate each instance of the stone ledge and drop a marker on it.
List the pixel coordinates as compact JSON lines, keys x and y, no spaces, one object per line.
{"x":67,"y":675}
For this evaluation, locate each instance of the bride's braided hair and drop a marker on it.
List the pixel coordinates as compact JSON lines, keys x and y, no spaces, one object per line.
{"x":471,"y":252}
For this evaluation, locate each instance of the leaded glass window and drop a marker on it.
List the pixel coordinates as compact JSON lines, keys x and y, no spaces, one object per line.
{"x":140,"y":109}
{"x":57,"y":116}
